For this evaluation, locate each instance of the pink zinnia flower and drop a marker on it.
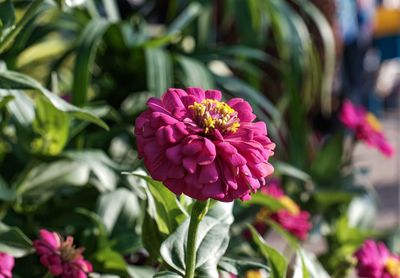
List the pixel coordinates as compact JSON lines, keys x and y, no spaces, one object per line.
{"x":205,"y":148}
{"x":61,"y":257}
{"x":366,"y":126}
{"x":374,"y":260}
{"x":290,"y":217}
{"x":6,"y":265}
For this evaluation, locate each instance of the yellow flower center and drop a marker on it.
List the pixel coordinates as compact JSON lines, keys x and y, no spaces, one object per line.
{"x":212,"y":114}
{"x":289,"y":205}
{"x":254,"y":274}
{"x":373,"y":122}
{"x":393,"y":266}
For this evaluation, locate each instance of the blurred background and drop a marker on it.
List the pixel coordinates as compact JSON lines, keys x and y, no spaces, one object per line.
{"x":295,"y":61}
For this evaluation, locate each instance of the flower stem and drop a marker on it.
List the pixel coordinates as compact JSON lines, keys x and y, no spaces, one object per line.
{"x":199,"y":210}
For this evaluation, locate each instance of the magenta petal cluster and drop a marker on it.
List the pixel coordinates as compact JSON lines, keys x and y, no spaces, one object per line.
{"x":290,"y":217}
{"x":374,"y":260}
{"x":6,"y":265}
{"x":60,"y":256}
{"x":366,"y":127}
{"x":202,"y":147}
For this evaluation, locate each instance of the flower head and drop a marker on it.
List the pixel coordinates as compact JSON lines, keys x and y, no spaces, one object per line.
{"x":290,"y":217}
{"x":366,"y":126}
{"x":6,"y":265}
{"x":203,"y":147}
{"x":60,"y":256}
{"x":374,"y":260}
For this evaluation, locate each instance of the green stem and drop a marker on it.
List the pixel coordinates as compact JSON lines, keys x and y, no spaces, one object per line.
{"x":29,"y":14}
{"x":199,"y":210}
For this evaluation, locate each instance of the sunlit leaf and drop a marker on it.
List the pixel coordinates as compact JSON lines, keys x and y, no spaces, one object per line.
{"x":13,"y":241}
{"x":212,"y":241}
{"x":276,"y":261}
{"x":16,"y":81}
{"x":86,"y":51}
{"x":159,"y":70}
{"x":195,"y":74}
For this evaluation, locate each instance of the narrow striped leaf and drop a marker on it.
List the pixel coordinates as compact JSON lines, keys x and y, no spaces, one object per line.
{"x":159,"y":70}
{"x":16,"y":81}
{"x":195,"y":73}
{"x":86,"y":50}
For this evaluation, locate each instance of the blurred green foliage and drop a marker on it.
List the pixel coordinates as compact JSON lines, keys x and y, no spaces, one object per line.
{"x":72,"y":81}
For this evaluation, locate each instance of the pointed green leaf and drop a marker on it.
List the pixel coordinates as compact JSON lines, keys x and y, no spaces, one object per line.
{"x":86,"y":51}
{"x":16,"y":81}
{"x":276,"y":261}
{"x":159,"y":70}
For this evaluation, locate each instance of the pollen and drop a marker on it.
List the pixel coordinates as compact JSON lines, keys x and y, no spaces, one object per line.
{"x":373,"y":122}
{"x":393,"y":266}
{"x":212,"y":114}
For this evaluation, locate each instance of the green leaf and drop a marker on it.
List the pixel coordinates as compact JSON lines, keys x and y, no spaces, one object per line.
{"x":110,"y":261}
{"x":290,"y":171}
{"x":111,"y":10}
{"x":188,"y":15}
{"x":264,"y":200}
{"x":163,"y":206}
{"x":221,"y":211}
{"x":212,"y":241}
{"x":195,"y":73}
{"x":16,"y":81}
{"x":328,"y":160}
{"x":328,"y":40}
{"x":307,"y":266}
{"x":276,"y":261}
{"x":294,"y":243}
{"x":141,"y":271}
{"x":240,"y":267}
{"x":120,"y":206}
{"x":167,"y":274}
{"x":101,"y":234}
{"x":173,"y":31}
{"x":152,"y":237}
{"x":159,"y":70}
{"x":21,"y":108}
{"x":45,"y":176}
{"x":86,"y":51}
{"x":135,"y":103}
{"x":7,"y":15}
{"x":51,"y":127}
{"x":126,"y":243}
{"x":76,"y":169}
{"x":102,"y":167}
{"x":4,"y":100}
{"x":362,"y":211}
{"x":162,"y":216}
{"x":33,"y":10}
{"x":14,"y":242}
{"x":6,"y":194}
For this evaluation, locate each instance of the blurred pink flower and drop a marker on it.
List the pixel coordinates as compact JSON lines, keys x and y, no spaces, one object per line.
{"x":366,"y":126}
{"x":374,"y":260}
{"x":61,"y":257}
{"x":6,"y":265}
{"x":205,"y":148}
{"x":290,"y":217}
